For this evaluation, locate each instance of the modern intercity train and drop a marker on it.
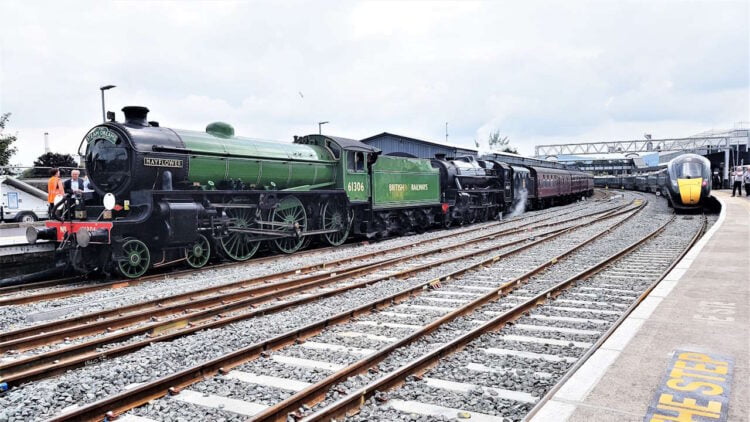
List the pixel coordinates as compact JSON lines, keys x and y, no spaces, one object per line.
{"x":685,"y":182}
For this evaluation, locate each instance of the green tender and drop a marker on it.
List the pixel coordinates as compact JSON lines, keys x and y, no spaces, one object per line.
{"x":404,"y":182}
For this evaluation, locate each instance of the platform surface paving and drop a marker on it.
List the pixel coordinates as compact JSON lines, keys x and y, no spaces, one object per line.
{"x":702,"y":306}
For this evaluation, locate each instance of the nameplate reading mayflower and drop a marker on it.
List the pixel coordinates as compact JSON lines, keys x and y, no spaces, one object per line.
{"x":162,"y":162}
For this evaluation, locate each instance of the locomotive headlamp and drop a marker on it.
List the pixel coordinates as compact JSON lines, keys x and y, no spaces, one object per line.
{"x":109,"y":202}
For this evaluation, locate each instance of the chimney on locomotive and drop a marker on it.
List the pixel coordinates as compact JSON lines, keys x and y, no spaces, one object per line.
{"x":136,"y":115}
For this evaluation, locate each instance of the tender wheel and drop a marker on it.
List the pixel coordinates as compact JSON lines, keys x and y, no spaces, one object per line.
{"x":335,"y":217}
{"x":198,"y":253}
{"x":136,"y":259}
{"x":290,"y":211}
{"x":235,"y":245}
{"x":422,"y":221}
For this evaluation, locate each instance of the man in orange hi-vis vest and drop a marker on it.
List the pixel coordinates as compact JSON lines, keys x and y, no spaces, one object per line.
{"x":54,"y":187}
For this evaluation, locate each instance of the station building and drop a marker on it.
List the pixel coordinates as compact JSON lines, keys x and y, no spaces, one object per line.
{"x":611,"y":164}
{"x":517,"y":159}
{"x":391,"y":143}
{"x":725,"y":148}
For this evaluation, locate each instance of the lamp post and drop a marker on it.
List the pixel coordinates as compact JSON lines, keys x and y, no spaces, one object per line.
{"x":320,"y":127}
{"x":104,"y":88}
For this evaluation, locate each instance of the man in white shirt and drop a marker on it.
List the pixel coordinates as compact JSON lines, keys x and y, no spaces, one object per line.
{"x":737,"y":177}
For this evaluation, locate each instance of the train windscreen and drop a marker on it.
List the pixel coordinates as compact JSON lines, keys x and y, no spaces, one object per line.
{"x":689,"y":170}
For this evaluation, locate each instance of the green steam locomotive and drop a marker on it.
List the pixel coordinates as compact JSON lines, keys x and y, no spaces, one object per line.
{"x":163,"y":195}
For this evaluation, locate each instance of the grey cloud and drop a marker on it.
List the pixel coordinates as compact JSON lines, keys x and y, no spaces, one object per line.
{"x":536,"y":71}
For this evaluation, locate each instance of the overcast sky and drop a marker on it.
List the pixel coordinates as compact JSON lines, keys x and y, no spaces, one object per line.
{"x":538,"y":72}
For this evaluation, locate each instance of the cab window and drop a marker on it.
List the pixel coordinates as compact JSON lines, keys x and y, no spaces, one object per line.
{"x":356,"y":161}
{"x":335,"y":149}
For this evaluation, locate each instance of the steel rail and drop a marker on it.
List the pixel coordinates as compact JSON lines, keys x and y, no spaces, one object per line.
{"x":39,"y":285}
{"x":194,"y":293}
{"x":129,"y":282}
{"x":94,"y":323}
{"x":316,"y":392}
{"x":139,"y":395}
{"x":582,"y":360}
{"x":56,"y":361}
{"x":395,"y":378}
{"x":121,"y":283}
{"x":125,"y":282}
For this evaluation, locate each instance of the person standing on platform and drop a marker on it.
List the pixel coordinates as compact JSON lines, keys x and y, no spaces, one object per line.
{"x":747,"y":181}
{"x":737,"y":177}
{"x":54,"y":187}
{"x":75,"y":184}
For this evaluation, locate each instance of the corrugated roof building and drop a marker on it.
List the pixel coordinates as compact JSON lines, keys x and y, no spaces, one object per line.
{"x":391,"y":143}
{"x":516,"y":159}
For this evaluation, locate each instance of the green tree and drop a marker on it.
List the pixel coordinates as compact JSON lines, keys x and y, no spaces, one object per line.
{"x":496,"y":141}
{"x":6,"y":142}
{"x":500,"y":143}
{"x":53,"y":159}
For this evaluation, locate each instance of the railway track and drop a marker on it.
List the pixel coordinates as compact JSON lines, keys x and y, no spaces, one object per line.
{"x":591,"y":304}
{"x":132,"y":298}
{"x":541,"y":332}
{"x":48,"y":290}
{"x":55,"y":289}
{"x":169,"y":318}
{"x":421,"y":288}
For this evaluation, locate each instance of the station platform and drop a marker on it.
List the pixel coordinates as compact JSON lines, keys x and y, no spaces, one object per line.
{"x":13,"y":242}
{"x":684,"y":352}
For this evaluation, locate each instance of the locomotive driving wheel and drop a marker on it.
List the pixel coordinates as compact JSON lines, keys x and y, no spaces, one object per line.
{"x":236,"y":245}
{"x":198,"y":253}
{"x":290,"y":211}
{"x":136,"y":258}
{"x":335,"y":217}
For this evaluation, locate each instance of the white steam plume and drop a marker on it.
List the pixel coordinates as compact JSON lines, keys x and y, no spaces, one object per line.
{"x":520,"y":205}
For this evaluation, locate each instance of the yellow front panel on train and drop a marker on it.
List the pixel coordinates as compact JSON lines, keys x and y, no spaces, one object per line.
{"x":690,"y":190}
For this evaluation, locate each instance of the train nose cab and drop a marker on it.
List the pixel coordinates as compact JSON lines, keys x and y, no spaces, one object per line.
{"x":690,"y":178}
